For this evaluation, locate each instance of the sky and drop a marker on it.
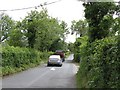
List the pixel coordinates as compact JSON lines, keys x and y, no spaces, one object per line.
{"x":63,"y":9}
{"x":66,"y":10}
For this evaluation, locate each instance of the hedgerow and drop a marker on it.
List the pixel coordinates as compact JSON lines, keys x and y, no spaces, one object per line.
{"x":15,"y":59}
{"x":79,"y":44}
{"x":100,"y":64}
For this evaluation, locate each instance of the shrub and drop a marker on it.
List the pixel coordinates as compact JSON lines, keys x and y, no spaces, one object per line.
{"x":17,"y":59}
{"x":100,"y":65}
{"x":78,"y":46}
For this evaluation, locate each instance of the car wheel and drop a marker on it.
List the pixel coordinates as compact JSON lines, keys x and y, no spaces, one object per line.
{"x":60,"y":65}
{"x":63,"y":60}
{"x":48,"y":64}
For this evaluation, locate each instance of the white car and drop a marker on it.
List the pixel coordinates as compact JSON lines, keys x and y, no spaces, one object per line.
{"x":54,"y":60}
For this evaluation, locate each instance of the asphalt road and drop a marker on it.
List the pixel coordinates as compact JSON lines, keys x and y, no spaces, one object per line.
{"x":44,"y":77}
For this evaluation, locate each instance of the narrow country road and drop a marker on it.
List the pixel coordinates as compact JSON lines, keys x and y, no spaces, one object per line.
{"x":44,"y":77}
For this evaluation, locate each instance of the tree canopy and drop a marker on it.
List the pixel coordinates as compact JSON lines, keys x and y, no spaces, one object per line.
{"x":99,"y":17}
{"x":37,"y":30}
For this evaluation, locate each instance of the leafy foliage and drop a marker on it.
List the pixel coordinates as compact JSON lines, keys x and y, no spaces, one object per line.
{"x":58,"y":45}
{"x":80,"y":27}
{"x":78,"y":47}
{"x":100,"y":52}
{"x":27,"y":43}
{"x":6,"y":24}
{"x":16,"y":59}
{"x":71,"y":47}
{"x":42,"y":30}
{"x":115,"y":28}
{"x":100,"y":64}
{"x":15,"y":38}
{"x":99,"y":17}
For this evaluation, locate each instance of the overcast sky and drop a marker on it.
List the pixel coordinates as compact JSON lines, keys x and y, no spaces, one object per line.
{"x":66,"y":10}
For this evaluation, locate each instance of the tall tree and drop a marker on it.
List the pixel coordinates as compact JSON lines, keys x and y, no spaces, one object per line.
{"x":49,"y":31}
{"x":42,"y":30}
{"x":58,"y":44}
{"x":65,"y":29}
{"x":79,"y":27}
{"x":115,"y":28}
{"x":6,"y":25}
{"x":71,"y":47}
{"x":96,"y":13}
{"x":30,"y":26}
{"x":15,"y":38}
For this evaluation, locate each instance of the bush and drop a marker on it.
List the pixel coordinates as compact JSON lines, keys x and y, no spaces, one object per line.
{"x":17,"y":59}
{"x":77,"y":57}
{"x":100,"y":65}
{"x":78,"y":46}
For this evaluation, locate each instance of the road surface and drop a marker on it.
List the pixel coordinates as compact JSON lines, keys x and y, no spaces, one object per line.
{"x":44,"y":77}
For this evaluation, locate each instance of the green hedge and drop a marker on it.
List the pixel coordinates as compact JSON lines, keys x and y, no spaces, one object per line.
{"x":77,"y":57}
{"x":78,"y":48}
{"x":16,"y":59}
{"x":100,"y":64}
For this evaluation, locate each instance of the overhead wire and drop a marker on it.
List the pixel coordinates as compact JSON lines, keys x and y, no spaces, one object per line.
{"x":41,"y":5}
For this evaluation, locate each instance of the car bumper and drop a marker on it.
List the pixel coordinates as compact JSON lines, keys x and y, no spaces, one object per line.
{"x":54,"y":63}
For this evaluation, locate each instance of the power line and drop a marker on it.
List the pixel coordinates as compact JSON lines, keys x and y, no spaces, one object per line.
{"x":41,"y":5}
